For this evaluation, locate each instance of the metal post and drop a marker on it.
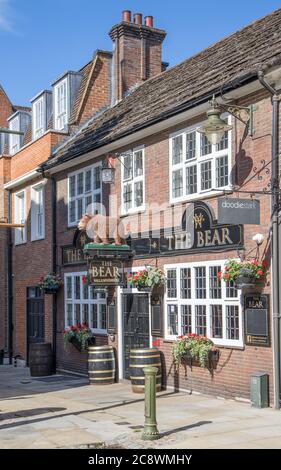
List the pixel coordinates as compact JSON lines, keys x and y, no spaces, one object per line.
{"x":150,"y":432}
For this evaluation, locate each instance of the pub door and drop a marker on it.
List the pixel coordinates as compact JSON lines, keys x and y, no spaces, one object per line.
{"x":35,"y":317}
{"x":135,"y":325}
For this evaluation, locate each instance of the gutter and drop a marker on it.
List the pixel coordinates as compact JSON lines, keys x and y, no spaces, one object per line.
{"x":275,"y":240}
{"x":239,"y":81}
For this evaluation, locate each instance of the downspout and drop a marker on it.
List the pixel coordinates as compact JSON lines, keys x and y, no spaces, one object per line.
{"x":10,"y":284}
{"x":275,"y":240}
{"x":54,"y":262}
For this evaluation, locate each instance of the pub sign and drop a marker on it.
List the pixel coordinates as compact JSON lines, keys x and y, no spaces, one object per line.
{"x":105,"y":273}
{"x":256,"y":319}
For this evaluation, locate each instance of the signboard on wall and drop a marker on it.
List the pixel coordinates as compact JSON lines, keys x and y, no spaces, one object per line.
{"x":238,"y":211}
{"x":256,"y":320}
{"x":105,"y":273}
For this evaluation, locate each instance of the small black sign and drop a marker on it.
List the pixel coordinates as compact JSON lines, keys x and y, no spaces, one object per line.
{"x":238,"y":211}
{"x":256,"y":320}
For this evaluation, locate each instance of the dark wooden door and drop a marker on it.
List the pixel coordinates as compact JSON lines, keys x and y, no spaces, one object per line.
{"x":35,"y":316}
{"x":135,"y":325}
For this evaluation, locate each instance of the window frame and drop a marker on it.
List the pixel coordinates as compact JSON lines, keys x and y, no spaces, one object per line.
{"x":82,"y":301}
{"x":14,"y":125}
{"x":133,"y":180}
{"x":197,"y":161}
{"x":35,"y":225}
{"x":83,"y":195}
{"x":37,"y":132}
{"x":207,"y":302}
{"x":58,"y":116}
{"x":17,"y":197}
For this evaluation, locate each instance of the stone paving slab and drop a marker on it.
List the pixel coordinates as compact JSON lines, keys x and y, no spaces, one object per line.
{"x":67,"y":412}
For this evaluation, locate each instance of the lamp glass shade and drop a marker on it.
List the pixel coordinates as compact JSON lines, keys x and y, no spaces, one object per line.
{"x":214,"y":137}
{"x":108,"y":175}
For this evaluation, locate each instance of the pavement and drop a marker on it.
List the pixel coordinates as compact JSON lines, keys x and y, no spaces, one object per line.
{"x":63,"y":411}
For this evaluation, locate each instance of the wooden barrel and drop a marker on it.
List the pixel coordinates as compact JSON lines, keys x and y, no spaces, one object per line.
{"x":139,"y":358}
{"x":101,"y":365}
{"x":40,"y":359}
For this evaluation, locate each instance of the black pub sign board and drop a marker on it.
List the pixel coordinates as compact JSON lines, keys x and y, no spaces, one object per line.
{"x":105,"y":273}
{"x":199,"y":232}
{"x":238,"y":211}
{"x":256,"y":319}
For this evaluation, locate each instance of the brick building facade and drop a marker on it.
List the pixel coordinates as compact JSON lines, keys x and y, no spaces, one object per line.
{"x":133,"y":109}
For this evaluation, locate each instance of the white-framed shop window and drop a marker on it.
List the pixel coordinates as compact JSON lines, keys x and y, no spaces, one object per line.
{"x":37,"y":212}
{"x":83,"y":304}
{"x":132,"y":175}
{"x":196,"y":166}
{"x":60,"y":110}
{"x":38,"y":118}
{"x":84,"y":192}
{"x":196,"y":301}
{"x":20,"y":216}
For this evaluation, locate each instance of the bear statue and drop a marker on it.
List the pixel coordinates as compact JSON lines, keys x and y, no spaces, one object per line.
{"x":100,"y":228}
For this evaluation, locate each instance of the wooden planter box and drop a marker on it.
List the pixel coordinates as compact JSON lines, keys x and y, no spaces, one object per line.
{"x":77,"y":344}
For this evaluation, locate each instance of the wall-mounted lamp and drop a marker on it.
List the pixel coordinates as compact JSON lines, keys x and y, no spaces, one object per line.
{"x":215,"y":127}
{"x":258,"y":238}
{"x":108,"y":171}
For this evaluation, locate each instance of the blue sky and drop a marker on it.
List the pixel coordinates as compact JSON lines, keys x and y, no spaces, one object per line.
{"x":40,"y":39}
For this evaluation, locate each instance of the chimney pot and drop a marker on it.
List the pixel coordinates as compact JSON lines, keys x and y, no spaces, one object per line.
{"x":127,"y":16}
{"x":138,"y":18}
{"x":148,"y":21}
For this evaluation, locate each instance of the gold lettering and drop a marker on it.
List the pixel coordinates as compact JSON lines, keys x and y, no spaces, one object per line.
{"x":216,"y":238}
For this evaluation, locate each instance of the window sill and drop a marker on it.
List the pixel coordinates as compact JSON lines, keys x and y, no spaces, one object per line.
{"x":37,"y":239}
{"x":133,"y":212}
{"x":220,"y":346}
{"x":203,"y":195}
{"x":21,"y":243}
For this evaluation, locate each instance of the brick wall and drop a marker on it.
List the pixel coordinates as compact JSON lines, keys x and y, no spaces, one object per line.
{"x":232,"y":375}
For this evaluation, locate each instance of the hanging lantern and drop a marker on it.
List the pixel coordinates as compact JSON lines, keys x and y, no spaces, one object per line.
{"x":108,"y":171}
{"x":215,"y":127}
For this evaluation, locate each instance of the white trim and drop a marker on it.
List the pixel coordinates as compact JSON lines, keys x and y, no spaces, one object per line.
{"x":38,"y":132}
{"x":17,"y":197}
{"x":57,"y":86}
{"x":22,"y":179}
{"x":84,"y":195}
{"x":224,"y":301}
{"x":134,"y":179}
{"x":34,"y":190}
{"x":152,"y":129}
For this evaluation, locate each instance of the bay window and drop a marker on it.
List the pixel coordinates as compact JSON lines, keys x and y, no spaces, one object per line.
{"x":197,"y":301}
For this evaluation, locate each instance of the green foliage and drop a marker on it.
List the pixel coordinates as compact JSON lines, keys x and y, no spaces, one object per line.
{"x":198,"y":347}
{"x":81,"y":332}
{"x":252,"y":269}
{"x":150,"y":277}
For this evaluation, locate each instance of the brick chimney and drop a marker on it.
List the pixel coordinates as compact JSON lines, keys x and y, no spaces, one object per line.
{"x":137,"y":52}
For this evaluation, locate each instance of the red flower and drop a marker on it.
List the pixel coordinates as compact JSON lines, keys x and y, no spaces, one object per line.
{"x":226,"y":276}
{"x":260,"y":272}
{"x":264,"y":264}
{"x":219,"y":275}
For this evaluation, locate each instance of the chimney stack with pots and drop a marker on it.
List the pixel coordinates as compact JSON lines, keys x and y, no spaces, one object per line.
{"x":137,"y":52}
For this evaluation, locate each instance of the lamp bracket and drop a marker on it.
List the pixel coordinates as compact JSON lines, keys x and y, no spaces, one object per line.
{"x":242,"y":113}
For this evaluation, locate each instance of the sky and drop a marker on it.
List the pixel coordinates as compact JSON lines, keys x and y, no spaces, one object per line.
{"x":41,"y":39}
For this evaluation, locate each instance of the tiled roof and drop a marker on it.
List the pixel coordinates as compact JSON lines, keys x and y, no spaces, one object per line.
{"x":233,"y":59}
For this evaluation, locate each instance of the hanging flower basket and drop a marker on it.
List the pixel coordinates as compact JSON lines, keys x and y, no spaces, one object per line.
{"x":244,"y":274}
{"x":192,"y":348}
{"x":147,"y":279}
{"x":50,"y":283}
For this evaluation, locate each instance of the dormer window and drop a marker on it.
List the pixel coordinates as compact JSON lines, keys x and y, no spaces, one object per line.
{"x":14,"y":138}
{"x":61,"y":105}
{"x":41,"y":113}
{"x":65,"y":90}
{"x":38,"y":122}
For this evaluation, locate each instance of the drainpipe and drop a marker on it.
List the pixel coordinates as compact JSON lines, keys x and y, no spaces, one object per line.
{"x":275,"y":240}
{"x":10,"y":284}
{"x":54,"y":260}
